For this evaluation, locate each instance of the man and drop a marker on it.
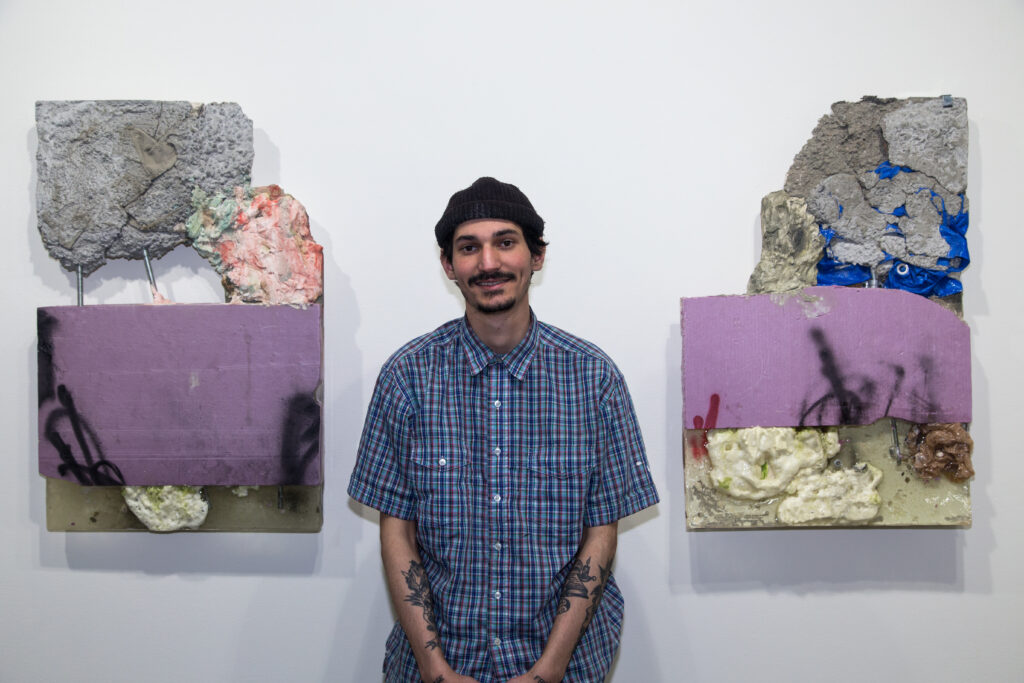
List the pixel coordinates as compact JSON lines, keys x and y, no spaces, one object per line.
{"x":501,"y":453}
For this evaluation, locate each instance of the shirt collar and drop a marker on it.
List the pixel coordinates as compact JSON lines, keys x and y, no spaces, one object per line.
{"x":516,"y":361}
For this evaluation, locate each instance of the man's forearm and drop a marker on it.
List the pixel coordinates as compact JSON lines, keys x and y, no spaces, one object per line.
{"x":411,"y":596}
{"x":581,"y":596}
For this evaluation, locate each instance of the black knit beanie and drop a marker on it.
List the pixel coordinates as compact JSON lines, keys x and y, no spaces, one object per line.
{"x":488,"y":198}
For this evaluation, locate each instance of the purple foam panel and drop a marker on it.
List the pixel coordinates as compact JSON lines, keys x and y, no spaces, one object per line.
{"x":180,"y":394}
{"x":823,"y":356}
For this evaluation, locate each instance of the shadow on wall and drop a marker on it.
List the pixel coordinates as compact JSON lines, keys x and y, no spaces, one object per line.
{"x":344,"y":409}
{"x":365,"y":614}
{"x":266,"y":162}
{"x":200,"y":553}
{"x":807,"y":561}
{"x":798,"y":560}
{"x":639,"y":635}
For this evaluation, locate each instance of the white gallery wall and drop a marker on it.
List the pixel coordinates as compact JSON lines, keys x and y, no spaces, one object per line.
{"x":645,"y":133}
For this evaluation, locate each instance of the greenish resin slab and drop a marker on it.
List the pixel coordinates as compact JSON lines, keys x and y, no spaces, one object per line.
{"x":292,"y":509}
{"x":907,"y":500}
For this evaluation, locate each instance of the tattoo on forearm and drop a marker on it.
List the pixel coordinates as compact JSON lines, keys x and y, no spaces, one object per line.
{"x":419,"y":595}
{"x":439,"y":679}
{"x":595,"y":597}
{"x":575,"y":584}
{"x":539,"y":679}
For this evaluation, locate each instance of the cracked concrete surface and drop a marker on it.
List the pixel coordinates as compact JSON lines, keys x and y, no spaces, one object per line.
{"x":117,"y":176}
{"x":873,"y":214}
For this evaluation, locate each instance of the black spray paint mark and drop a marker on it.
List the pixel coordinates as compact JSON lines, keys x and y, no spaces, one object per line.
{"x":300,"y":437}
{"x":924,"y":404}
{"x":851,"y":403}
{"x":93,"y":470}
{"x":46,"y":324}
{"x":855,"y":394}
{"x":900,"y":374}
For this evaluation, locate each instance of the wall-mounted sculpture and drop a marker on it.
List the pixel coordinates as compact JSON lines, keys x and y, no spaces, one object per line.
{"x":825,"y":405}
{"x":181,"y":416}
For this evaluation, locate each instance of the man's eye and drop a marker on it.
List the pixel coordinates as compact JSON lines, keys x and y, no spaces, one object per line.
{"x":507,"y":243}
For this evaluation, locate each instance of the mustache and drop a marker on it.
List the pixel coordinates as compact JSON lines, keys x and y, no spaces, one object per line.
{"x":494,"y":275}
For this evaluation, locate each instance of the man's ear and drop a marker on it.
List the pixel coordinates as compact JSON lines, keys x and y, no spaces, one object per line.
{"x":537,"y":260}
{"x":449,"y":270}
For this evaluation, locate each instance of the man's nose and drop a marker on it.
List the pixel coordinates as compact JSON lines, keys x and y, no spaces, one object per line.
{"x":488,"y":258}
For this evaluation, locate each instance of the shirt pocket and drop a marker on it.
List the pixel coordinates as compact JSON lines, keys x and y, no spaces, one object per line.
{"x":437,"y":475}
{"x":557,"y":482}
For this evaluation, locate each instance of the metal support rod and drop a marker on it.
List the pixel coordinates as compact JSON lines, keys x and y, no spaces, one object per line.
{"x":81,"y":286}
{"x":894,"y":450}
{"x":149,"y":269}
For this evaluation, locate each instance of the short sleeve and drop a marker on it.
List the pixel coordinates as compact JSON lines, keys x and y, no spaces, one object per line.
{"x":622,"y":483}
{"x":378,"y":479}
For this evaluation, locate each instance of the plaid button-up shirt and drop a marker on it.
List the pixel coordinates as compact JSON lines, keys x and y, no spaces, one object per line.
{"x":502,"y":461}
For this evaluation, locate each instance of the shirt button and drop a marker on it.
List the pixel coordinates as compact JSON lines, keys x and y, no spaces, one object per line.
{"x":496,"y":497}
{"x":497,"y":642}
{"x":442,"y":462}
{"x":497,"y":545}
{"x":497,"y":404}
{"x":497,"y":451}
{"x":497,"y":595}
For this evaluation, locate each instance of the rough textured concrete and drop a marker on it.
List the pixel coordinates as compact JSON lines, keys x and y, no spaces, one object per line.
{"x":921,"y":228}
{"x":835,"y":174}
{"x":863,"y":223}
{"x":117,"y":176}
{"x":790,"y":246}
{"x":839,"y":203}
{"x":849,"y":140}
{"x":930,"y":138}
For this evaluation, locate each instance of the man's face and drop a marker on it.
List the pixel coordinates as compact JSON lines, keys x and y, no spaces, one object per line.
{"x":492,"y":265}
